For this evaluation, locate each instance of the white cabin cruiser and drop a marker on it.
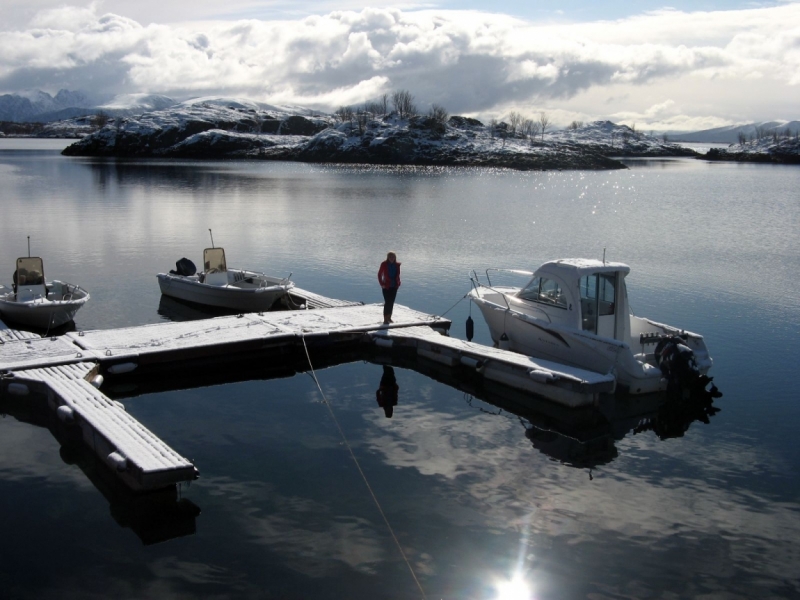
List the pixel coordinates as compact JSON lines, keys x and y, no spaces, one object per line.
{"x":33,"y":302}
{"x":221,"y":287}
{"x":576,"y":312}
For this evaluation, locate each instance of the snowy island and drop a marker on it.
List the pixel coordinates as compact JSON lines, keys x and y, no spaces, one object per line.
{"x":217,"y":128}
{"x":771,"y":149}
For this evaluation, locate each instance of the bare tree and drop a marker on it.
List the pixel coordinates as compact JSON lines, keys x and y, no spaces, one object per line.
{"x":544,"y":122}
{"x":575,"y":125}
{"x":742,"y":137}
{"x":492,"y":127}
{"x":101,"y":119}
{"x":527,"y":125}
{"x":344,"y":113}
{"x":403,"y":103}
{"x":533,"y":129}
{"x":665,"y":137}
{"x":438,"y":114}
{"x":515,"y":122}
{"x":373,"y":108}
{"x":383,"y":102}
{"x":362,"y":118}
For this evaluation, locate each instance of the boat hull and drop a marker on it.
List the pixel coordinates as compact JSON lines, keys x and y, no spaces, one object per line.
{"x":59,"y":308}
{"x":239,"y":295}
{"x":534,"y":337}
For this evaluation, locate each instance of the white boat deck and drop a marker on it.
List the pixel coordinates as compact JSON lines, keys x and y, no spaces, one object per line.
{"x":139,"y":457}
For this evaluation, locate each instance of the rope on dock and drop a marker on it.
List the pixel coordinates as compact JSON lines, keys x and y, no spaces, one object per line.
{"x":360,"y":470}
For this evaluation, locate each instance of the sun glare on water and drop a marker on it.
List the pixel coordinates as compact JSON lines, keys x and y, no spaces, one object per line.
{"x":516,"y":589}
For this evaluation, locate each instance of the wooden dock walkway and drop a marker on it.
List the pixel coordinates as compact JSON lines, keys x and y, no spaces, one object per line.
{"x":566,"y":385}
{"x":142,"y":461}
{"x":64,"y":368}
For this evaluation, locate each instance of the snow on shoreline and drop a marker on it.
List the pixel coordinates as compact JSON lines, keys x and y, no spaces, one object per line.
{"x":230,"y":128}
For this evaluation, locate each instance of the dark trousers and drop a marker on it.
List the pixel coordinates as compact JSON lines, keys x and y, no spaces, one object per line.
{"x":389,"y":294}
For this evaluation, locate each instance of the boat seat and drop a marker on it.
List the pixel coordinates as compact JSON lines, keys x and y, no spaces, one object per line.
{"x":215,"y":277}
{"x":29,"y":293}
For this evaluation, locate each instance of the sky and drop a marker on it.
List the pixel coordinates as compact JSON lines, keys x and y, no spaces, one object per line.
{"x":682,"y":66}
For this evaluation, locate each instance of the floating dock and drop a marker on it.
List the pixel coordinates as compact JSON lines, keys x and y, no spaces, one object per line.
{"x":69,"y":369}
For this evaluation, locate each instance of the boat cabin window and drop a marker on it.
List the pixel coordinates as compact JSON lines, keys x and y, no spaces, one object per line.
{"x":598,"y":296}
{"x":547,"y":291}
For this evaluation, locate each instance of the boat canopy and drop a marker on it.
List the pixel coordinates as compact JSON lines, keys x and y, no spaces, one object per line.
{"x":572,"y":269}
{"x":581,"y":293}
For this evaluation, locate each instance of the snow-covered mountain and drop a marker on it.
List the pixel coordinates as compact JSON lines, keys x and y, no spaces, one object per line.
{"x":41,"y":107}
{"x":731,"y":133}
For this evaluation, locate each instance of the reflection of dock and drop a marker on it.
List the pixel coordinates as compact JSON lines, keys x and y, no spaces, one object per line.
{"x":154,"y":516}
{"x":68,"y":370}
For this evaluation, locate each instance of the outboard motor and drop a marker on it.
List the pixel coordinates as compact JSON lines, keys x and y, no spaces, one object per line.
{"x":676,"y":361}
{"x":185,"y":267}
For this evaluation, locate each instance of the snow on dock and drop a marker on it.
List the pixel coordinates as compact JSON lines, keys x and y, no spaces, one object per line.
{"x":312,"y":300}
{"x":139,"y":458}
{"x":566,"y":385}
{"x":164,"y":342}
{"x":63,"y":369}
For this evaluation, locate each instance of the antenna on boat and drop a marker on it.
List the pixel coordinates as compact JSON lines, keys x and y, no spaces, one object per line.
{"x":604,"y":255}
{"x":212,"y":237}
{"x":29,"y":246}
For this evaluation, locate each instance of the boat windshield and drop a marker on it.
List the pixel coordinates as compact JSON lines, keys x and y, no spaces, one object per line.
{"x":30,"y":271}
{"x":546,"y":291}
{"x":214,"y":260}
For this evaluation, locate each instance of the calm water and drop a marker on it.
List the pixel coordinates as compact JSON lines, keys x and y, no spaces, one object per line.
{"x":474,"y":494}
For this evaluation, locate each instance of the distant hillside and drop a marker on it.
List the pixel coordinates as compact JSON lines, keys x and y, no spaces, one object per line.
{"x":216,"y":128}
{"x":41,"y":107}
{"x":730,"y":134}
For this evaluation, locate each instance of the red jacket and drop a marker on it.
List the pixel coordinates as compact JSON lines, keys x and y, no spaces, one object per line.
{"x":383,"y":275}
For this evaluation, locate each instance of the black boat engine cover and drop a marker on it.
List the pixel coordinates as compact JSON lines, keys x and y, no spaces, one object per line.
{"x":185,"y":267}
{"x":676,"y":360}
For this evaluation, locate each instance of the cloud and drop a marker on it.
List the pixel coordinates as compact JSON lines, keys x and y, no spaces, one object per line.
{"x":470,"y":62}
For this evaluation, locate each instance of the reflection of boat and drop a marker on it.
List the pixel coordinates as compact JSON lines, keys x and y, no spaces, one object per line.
{"x":582,"y":437}
{"x":36,"y":303}
{"x":221,"y":287}
{"x":575,"y":311}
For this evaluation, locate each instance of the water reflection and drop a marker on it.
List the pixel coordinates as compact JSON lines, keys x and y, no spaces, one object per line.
{"x":154,"y":517}
{"x":583,"y":437}
{"x":387,"y":392}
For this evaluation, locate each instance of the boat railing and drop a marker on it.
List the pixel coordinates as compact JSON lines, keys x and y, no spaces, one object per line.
{"x":500,"y":270}
{"x":476,"y":284}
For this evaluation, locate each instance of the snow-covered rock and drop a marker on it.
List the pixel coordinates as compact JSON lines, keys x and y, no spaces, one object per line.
{"x":772,"y":149}
{"x":231,"y":128}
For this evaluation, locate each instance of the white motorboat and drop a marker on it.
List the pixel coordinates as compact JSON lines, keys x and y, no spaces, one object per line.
{"x":33,"y":302}
{"x":576,"y":312}
{"x":221,"y":287}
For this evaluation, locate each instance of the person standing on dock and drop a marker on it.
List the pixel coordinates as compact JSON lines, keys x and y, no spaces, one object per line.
{"x":389,"y":278}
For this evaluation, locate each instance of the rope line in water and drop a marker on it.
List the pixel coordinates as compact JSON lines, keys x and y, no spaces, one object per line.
{"x":361,"y":472}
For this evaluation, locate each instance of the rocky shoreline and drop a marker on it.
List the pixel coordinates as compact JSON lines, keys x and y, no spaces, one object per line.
{"x":782,"y":151}
{"x":228,"y":130}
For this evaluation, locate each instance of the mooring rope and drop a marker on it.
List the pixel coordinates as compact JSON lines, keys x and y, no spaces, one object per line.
{"x":452,"y":307}
{"x":361,"y":472}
